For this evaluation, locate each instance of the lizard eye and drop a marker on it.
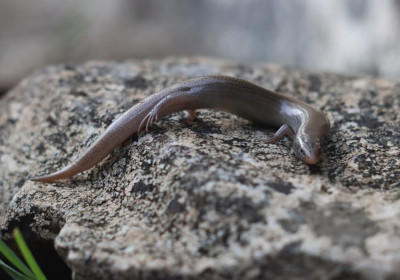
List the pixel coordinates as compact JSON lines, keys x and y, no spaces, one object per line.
{"x":303,"y":155}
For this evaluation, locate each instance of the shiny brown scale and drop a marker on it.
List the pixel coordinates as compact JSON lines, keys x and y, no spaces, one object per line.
{"x":237,"y":96}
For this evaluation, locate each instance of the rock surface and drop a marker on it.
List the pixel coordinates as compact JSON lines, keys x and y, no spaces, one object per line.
{"x":209,"y":200}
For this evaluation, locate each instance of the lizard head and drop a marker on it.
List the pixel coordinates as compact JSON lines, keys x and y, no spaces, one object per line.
{"x":307,"y":148}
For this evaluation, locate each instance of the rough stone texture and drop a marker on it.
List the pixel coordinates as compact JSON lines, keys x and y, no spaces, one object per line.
{"x":209,"y":200}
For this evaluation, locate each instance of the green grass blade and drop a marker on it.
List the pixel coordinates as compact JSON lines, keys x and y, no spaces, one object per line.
{"x":12,"y":258}
{"x":12,"y":272}
{"x":28,"y":255}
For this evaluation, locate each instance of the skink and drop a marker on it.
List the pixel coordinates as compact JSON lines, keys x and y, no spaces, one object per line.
{"x":309,"y":126}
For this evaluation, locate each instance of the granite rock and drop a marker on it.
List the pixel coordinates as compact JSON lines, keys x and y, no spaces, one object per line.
{"x":208,"y":200}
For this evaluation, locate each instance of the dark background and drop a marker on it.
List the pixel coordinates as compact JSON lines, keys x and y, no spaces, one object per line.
{"x":355,"y":37}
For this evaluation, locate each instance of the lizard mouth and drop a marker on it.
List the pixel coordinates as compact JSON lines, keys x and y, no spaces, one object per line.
{"x":311,"y":159}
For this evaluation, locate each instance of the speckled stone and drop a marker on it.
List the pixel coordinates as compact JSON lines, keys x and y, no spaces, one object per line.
{"x":208,"y":200}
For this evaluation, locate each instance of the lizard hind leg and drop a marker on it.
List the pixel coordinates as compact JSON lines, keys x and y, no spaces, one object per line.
{"x":152,"y":116}
{"x":163,"y":108}
{"x":149,"y":119}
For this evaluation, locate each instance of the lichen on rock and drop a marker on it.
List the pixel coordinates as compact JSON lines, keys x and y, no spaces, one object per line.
{"x":209,"y":200}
